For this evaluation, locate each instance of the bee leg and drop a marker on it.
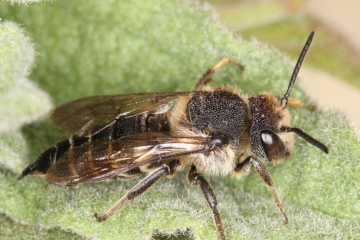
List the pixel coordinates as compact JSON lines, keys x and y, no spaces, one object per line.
{"x":266,"y":177}
{"x":297,"y":103}
{"x":197,"y":179}
{"x":206,"y":78}
{"x":139,"y":188}
{"x":243,"y":168}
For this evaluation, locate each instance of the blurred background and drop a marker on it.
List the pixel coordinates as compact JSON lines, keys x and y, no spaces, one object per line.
{"x":331,"y":72}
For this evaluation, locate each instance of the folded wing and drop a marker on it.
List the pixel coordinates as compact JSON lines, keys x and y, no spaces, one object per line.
{"x":89,"y":115}
{"x":105,"y":159}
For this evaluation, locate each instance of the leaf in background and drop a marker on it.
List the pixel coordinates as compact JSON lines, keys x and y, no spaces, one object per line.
{"x":21,"y":100}
{"x":113,"y":47}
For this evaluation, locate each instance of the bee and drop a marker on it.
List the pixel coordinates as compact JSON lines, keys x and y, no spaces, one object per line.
{"x":210,"y":131}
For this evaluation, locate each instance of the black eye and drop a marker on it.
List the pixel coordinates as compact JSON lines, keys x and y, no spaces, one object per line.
{"x":273,"y":145}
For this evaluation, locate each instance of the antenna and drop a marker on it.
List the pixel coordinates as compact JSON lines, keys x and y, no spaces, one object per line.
{"x":307,"y":138}
{"x":284,"y":100}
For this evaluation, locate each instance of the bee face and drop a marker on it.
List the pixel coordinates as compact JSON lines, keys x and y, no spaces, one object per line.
{"x":268,"y":141}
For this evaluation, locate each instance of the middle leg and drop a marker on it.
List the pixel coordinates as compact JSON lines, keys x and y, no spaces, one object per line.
{"x":197,"y":179}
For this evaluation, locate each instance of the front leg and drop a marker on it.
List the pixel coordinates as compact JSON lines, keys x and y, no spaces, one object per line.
{"x":265,"y":175}
{"x":197,"y":179}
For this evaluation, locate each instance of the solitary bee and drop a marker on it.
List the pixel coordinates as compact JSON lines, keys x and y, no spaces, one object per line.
{"x":215,"y":131}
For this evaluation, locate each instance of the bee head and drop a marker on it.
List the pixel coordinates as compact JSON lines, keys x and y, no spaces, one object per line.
{"x":269,"y":132}
{"x":267,"y":138}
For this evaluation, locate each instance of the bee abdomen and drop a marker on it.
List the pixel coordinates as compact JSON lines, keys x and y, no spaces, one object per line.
{"x":51,"y":155}
{"x":136,"y":124}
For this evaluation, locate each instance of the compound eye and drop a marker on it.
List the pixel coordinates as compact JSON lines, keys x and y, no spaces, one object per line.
{"x":273,"y":145}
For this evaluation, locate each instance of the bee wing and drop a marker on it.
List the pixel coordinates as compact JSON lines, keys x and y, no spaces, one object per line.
{"x":89,"y":115}
{"x":104,"y":159}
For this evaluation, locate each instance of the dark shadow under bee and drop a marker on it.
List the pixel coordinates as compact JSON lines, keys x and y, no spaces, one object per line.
{"x":213,"y":131}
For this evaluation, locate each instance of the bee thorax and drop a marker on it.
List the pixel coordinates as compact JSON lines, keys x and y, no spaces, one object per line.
{"x":220,"y":162}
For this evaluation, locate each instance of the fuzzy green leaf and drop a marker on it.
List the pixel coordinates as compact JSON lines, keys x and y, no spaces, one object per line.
{"x":113,"y":47}
{"x":21,"y":100}
{"x":25,"y":2}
